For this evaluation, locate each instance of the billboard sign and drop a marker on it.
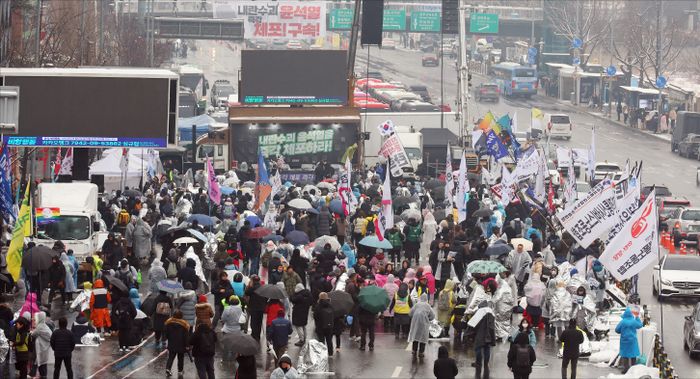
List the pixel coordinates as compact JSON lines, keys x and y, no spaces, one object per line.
{"x":268,"y":19}
{"x":294,"y":77}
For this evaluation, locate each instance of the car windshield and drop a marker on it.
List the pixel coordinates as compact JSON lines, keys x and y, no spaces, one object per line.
{"x":65,"y":228}
{"x":662,"y":191}
{"x":691,"y":215}
{"x":225,"y":91}
{"x":560,"y":119}
{"x":682,"y":264}
{"x":607,"y":168}
{"x":524,"y":73}
{"x":413,"y":153}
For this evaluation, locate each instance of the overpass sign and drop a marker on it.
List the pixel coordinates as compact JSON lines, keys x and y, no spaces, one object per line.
{"x":484,"y":23}
{"x":340,"y":19}
{"x":394,"y":20}
{"x":425,"y":22}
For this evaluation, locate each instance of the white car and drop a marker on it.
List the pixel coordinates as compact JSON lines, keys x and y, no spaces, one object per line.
{"x":388,"y":44}
{"x":676,"y":276}
{"x":603,"y":169}
{"x":558,"y":125}
{"x":294,"y":45}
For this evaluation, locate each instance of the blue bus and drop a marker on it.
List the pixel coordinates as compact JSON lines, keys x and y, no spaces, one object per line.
{"x":514,"y":79}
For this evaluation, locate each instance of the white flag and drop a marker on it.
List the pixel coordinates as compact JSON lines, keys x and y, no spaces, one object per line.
{"x":570,"y":184}
{"x":386,"y":128}
{"x":462,"y":189}
{"x":67,"y":163}
{"x":507,"y":181}
{"x":514,"y":122}
{"x":345,"y":190}
{"x":124,"y":162}
{"x":449,"y":181}
{"x":276,"y":182}
{"x":636,"y":246}
{"x":591,"y":156}
{"x":385,"y":218}
{"x":542,"y":173}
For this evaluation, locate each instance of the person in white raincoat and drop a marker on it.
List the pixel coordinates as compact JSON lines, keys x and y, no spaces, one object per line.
{"x":421,"y":315}
{"x":503,"y":302}
{"x":477,"y":296}
{"x":42,"y":343}
{"x":518,"y":261}
{"x":429,"y":233}
{"x":550,"y":274}
{"x":584,"y":310}
{"x":70,"y":284}
{"x":559,"y":307}
{"x":198,"y":266}
{"x":139,"y":233}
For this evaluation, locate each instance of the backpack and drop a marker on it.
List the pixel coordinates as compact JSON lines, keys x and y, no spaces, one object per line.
{"x":414,"y":233}
{"x":125,"y":277}
{"x":163,"y":309}
{"x":325,"y":316}
{"x":123,"y":217}
{"x":444,"y":300}
{"x":522,"y":356}
{"x":122,"y":314}
{"x":172,"y":270}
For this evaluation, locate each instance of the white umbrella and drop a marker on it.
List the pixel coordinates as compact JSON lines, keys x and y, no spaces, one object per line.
{"x":320,"y":242}
{"x":309,"y":187}
{"x":186,"y":240}
{"x":326,"y":185}
{"x":249,"y":184}
{"x":527,"y":244}
{"x":299,"y":204}
{"x":231,"y":182}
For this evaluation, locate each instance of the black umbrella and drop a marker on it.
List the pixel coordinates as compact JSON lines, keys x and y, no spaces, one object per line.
{"x":439,"y":214}
{"x":341,"y":302}
{"x":438,"y":193}
{"x":372,"y":191}
{"x":497,"y":249}
{"x":433,"y":183}
{"x":118,"y":283}
{"x":38,"y":258}
{"x":271,"y":292}
{"x":401,"y":201}
{"x":148,"y":306}
{"x":483,"y":212}
{"x":243,"y":344}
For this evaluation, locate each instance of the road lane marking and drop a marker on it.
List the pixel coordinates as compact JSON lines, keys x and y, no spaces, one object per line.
{"x":397,"y":371}
{"x":147,"y":363}
{"x":122,"y":358}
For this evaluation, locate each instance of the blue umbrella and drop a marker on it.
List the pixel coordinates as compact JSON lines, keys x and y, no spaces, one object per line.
{"x":297,"y":237}
{"x":254,"y":220}
{"x":203,"y":220}
{"x":373,"y":241}
{"x":273,"y":237}
{"x":227,"y":190}
{"x":170,"y":286}
{"x":197,"y":234}
{"x":336,"y":206}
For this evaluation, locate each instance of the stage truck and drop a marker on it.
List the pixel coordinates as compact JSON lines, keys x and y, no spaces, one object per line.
{"x":301,"y":137}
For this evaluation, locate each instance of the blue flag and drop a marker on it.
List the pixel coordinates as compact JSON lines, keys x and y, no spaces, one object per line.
{"x":494,"y":146}
{"x":505,"y":123}
{"x":5,"y":187}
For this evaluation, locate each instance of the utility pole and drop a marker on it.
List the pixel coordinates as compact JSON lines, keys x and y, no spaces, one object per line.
{"x":82,"y":31}
{"x":463,"y":77}
{"x":659,"y":66}
{"x":37,"y":37}
{"x":101,"y":33}
{"x":577,"y":54}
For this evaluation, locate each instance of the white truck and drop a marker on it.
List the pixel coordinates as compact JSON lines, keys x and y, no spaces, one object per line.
{"x":408,"y":126}
{"x":70,"y":215}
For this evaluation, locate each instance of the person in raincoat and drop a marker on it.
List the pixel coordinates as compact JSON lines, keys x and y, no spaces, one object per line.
{"x":629,"y":347}
{"x":446,"y":304}
{"x":390,"y":287}
{"x":421,"y":315}
{"x":530,"y":230}
{"x":155,"y":274}
{"x":517,"y":262}
{"x":503,"y":302}
{"x":231,"y":317}
{"x":41,"y":335}
{"x":549,"y":277}
{"x":597,"y":278}
{"x":284,"y":369}
{"x":70,"y":272}
{"x":559,"y":304}
{"x":135,"y":297}
{"x":583,"y":310}
{"x":534,"y":294}
{"x":351,"y":258}
{"x":99,"y":308}
{"x":429,"y":227}
{"x":139,"y":233}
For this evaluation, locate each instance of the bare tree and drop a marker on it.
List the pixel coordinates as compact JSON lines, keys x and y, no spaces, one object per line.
{"x":587,"y":20}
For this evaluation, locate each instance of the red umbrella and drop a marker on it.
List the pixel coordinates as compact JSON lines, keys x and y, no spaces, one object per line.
{"x":259,"y":232}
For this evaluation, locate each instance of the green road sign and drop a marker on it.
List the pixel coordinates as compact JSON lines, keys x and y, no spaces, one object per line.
{"x":483,"y":23}
{"x":425,"y":22}
{"x":341,"y":19}
{"x":394,"y":19}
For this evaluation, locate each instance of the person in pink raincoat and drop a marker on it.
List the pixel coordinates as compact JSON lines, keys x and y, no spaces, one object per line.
{"x":410,"y":275}
{"x":30,"y":305}
{"x":390,"y":287}
{"x":428,"y":273}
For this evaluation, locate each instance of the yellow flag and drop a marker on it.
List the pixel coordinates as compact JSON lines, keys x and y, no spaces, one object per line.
{"x":537,"y":114}
{"x":14,"y":252}
{"x":487,"y":121}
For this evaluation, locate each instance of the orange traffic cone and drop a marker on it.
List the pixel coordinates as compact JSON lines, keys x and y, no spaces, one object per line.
{"x":672,"y":248}
{"x":664,"y":239}
{"x":684,"y":250}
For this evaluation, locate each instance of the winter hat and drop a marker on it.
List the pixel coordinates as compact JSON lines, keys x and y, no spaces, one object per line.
{"x":597,"y":266}
{"x":298,"y":288}
{"x":573,"y":272}
{"x":202,"y":299}
{"x":323,"y":296}
{"x":528,"y":221}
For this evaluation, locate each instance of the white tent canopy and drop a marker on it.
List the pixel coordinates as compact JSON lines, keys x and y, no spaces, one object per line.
{"x":109,"y":166}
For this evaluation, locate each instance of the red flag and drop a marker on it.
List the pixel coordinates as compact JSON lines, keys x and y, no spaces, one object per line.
{"x":550,"y":197}
{"x":57,"y":163}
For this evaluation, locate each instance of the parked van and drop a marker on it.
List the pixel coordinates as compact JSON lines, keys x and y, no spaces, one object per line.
{"x":558,"y":125}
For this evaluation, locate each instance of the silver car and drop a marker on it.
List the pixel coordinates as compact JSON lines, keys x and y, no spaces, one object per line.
{"x":685,"y":224}
{"x":691,"y":332}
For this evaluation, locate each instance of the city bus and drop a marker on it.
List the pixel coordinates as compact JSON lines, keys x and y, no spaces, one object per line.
{"x":514,"y":79}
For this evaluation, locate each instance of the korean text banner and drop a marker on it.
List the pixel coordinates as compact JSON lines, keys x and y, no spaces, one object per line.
{"x":636,"y":246}
{"x":592,"y":216}
{"x":394,"y":151}
{"x":276,"y":19}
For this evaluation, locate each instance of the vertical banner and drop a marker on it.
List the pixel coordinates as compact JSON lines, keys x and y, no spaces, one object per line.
{"x":449,"y":180}
{"x":345,"y":189}
{"x":15,"y":251}
{"x":214,"y":190}
{"x":462,"y":189}
{"x":385,"y":218}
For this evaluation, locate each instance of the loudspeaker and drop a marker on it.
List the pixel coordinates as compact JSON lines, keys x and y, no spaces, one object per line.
{"x":99,"y":180}
{"x":81,"y":165}
{"x":372,"y":18}
{"x":64,"y":179}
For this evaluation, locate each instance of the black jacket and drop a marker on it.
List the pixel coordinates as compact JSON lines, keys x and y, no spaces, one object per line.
{"x":57,"y":274}
{"x":159,"y":320}
{"x":324,"y":318}
{"x":126,"y":306}
{"x":572,"y":339}
{"x":203,"y":341}
{"x":445,"y":368}
{"x":512,"y":359}
{"x":177,"y":334}
{"x":187,"y":274}
{"x":62,"y":343}
{"x":485,"y":333}
{"x":279,"y":331}
{"x":219,"y":295}
{"x":256,"y":303}
{"x":80,"y":328}
{"x":300,"y":312}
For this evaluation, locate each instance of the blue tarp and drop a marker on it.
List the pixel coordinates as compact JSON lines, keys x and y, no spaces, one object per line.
{"x":204,"y":124}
